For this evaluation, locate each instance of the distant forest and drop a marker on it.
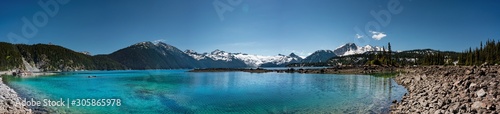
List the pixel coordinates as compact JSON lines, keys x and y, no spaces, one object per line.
{"x":485,"y":54}
{"x":51,"y":58}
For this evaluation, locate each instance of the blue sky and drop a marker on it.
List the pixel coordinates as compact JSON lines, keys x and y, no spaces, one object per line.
{"x":265,"y":27}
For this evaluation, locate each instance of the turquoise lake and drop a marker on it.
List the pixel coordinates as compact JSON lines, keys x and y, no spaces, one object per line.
{"x":179,"y":91}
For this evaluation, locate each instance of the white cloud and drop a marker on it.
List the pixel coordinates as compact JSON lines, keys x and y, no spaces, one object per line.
{"x":378,"y":35}
{"x":359,"y":36}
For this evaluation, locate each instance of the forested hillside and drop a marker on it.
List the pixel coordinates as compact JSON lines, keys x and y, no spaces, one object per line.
{"x":51,"y":58}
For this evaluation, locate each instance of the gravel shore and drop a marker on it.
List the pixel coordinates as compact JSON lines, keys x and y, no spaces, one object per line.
{"x":449,"y":89}
{"x":9,"y":100}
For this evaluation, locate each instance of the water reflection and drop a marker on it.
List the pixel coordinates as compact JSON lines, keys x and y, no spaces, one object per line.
{"x":331,"y":92}
{"x":160,"y":91}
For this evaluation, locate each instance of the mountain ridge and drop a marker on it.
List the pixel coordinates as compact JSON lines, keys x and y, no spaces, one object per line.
{"x":160,"y":55}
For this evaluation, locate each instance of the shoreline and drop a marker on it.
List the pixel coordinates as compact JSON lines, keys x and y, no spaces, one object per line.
{"x":330,"y":70}
{"x":431,"y":89}
{"x":8,"y":100}
{"x":449,"y":89}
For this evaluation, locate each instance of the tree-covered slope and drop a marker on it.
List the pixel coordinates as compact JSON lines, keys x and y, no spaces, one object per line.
{"x":52,"y":58}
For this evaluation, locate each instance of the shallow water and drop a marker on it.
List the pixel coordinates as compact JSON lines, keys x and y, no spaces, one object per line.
{"x":178,"y":91}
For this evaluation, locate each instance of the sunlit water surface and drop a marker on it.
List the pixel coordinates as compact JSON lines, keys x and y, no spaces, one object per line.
{"x":179,"y":91}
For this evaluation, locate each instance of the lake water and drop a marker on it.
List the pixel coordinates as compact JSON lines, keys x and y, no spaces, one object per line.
{"x":179,"y":91}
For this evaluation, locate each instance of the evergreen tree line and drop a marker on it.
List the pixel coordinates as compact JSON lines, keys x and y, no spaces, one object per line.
{"x":387,"y":57}
{"x":51,"y":58}
{"x":384,"y":57}
{"x":485,"y":54}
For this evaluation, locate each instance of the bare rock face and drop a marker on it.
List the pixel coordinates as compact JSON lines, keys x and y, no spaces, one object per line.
{"x":449,"y":89}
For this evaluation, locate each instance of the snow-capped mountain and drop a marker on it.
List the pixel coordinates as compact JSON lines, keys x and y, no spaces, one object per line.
{"x":161,"y":55}
{"x":351,"y":48}
{"x":217,"y":59}
{"x":214,"y":55}
{"x":248,"y":59}
{"x":319,"y":56}
{"x":344,"y":50}
{"x":258,"y":60}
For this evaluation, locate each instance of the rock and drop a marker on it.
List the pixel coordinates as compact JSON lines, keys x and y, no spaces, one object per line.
{"x":490,"y":107}
{"x":8,"y":100}
{"x":462,"y":91}
{"x":457,"y":82}
{"x":482,"y":73}
{"x":417,"y":78}
{"x":447,"y":73}
{"x":454,"y":108}
{"x":484,"y":64}
{"x":439,"y":112}
{"x":469,"y":72}
{"x":481,"y":93}
{"x":478,"y":104}
{"x":472,"y":86}
{"x":10,"y":103}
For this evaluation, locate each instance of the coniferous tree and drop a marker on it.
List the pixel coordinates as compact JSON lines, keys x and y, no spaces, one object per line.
{"x":390,"y":53}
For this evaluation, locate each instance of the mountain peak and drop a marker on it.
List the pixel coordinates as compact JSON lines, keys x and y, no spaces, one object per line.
{"x":348,"y":46}
{"x":217,"y":51}
{"x":324,"y":50}
{"x":159,"y":43}
{"x":319,"y":56}
{"x":351,"y":48}
{"x":144,"y":43}
{"x":190,"y":51}
{"x":293,"y":55}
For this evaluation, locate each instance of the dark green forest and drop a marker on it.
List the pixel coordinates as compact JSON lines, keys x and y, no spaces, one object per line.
{"x":484,"y":54}
{"x":52,"y":58}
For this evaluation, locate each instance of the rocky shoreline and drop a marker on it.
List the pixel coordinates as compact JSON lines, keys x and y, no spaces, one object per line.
{"x":9,"y":100}
{"x":449,"y":89}
{"x":431,"y":89}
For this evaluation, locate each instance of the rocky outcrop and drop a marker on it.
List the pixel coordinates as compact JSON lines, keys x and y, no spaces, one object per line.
{"x":449,"y":89}
{"x":9,"y":101}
